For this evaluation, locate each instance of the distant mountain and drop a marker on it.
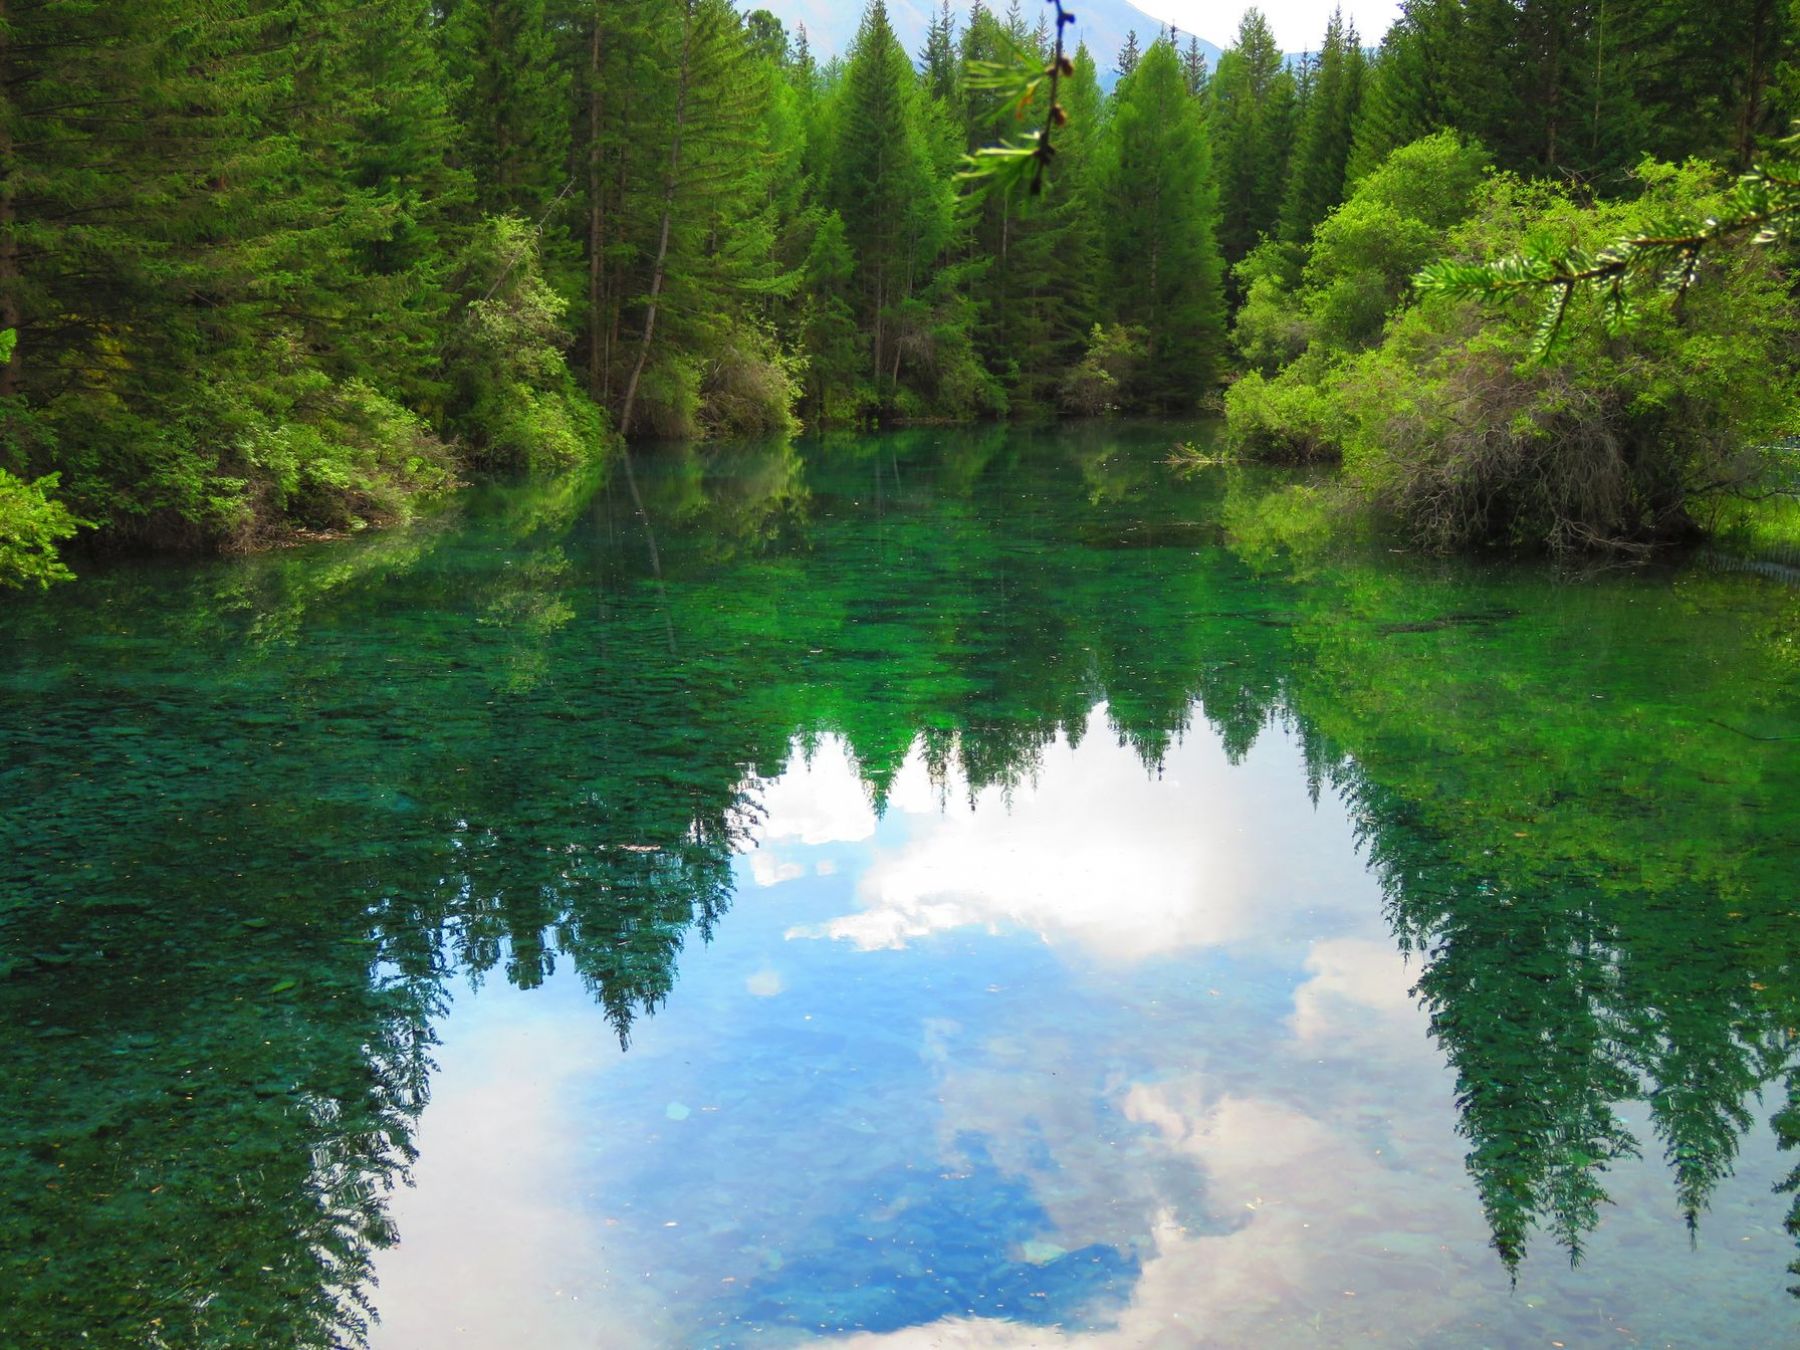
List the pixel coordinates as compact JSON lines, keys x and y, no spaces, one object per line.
{"x":1102,"y":24}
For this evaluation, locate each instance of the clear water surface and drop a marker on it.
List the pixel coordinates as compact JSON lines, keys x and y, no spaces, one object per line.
{"x":940,"y":889}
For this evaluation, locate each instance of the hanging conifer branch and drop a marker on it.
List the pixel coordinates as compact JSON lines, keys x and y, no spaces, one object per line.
{"x":1764,"y":205}
{"x":1019,"y":81}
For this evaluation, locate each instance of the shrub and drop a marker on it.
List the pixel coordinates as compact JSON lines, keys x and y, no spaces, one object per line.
{"x":1444,"y":417}
{"x":1614,"y":444}
{"x":32,"y":523}
{"x":1097,"y":386}
{"x":1289,"y":418}
{"x":749,"y":389}
{"x":513,"y":399}
{"x":1334,"y":296}
{"x":1272,"y":328}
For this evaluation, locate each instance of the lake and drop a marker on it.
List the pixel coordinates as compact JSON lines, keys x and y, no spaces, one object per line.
{"x":945,"y":888}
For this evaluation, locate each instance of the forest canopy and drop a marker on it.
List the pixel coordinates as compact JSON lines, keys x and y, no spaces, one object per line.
{"x":281,"y":269}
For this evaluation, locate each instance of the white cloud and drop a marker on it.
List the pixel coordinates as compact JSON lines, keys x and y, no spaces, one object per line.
{"x":1295,"y":1245}
{"x":768,"y":870}
{"x":820,"y":800}
{"x":1360,"y":989}
{"x":1298,"y":24}
{"x":765,"y":983}
{"x":1099,"y":855}
{"x":476,"y":1223}
{"x":1260,"y":1217}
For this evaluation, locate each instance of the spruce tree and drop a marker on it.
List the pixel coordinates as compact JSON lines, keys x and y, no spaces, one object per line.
{"x":514,"y":101}
{"x":828,"y":326}
{"x":1194,"y":68}
{"x":938,"y":60}
{"x":1322,"y":148}
{"x":1250,"y":119}
{"x":710,"y":251}
{"x":1129,"y":56}
{"x":1165,"y":270}
{"x":883,"y":185}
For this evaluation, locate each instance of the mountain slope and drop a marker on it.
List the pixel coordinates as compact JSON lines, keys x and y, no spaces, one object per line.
{"x":1102,"y":24}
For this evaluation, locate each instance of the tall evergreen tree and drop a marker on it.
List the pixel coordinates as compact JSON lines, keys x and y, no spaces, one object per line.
{"x":711,"y":250}
{"x":217,"y":236}
{"x":1165,"y":269}
{"x":1322,"y":147}
{"x":1129,"y":56}
{"x":883,"y":186}
{"x":1251,"y":120}
{"x":938,"y":61}
{"x":1194,"y":68}
{"x":513,"y":99}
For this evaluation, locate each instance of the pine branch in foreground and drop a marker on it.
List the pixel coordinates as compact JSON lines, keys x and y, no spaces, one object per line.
{"x":1763,"y":207}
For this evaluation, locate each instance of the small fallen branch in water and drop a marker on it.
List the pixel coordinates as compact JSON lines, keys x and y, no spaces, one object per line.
{"x":1187,"y":455}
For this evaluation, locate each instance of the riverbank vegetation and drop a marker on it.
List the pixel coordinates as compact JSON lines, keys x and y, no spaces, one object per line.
{"x":278,"y":270}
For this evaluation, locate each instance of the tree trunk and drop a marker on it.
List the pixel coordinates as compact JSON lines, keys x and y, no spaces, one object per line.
{"x":615,"y":285}
{"x":596,"y":218}
{"x":659,"y":271}
{"x":9,"y":244}
{"x":1756,"y":82}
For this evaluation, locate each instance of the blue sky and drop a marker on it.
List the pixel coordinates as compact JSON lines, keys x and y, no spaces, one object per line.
{"x":1298,"y":24}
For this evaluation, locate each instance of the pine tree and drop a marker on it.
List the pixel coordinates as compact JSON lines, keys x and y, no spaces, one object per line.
{"x":1398,"y":105}
{"x":226,"y":245}
{"x":1039,"y":286}
{"x":828,"y":326}
{"x":1581,"y":92}
{"x":883,"y":185}
{"x":1165,"y":270}
{"x":938,"y":61}
{"x":1322,"y":148}
{"x":1251,"y":125}
{"x":514,"y":102}
{"x":1018,"y":32}
{"x":1129,"y":56}
{"x":1194,"y":68}
{"x":711,"y":253}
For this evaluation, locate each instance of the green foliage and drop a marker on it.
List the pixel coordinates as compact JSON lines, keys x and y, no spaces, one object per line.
{"x":1160,"y":237}
{"x":513,"y":398}
{"x":32,"y":524}
{"x":1289,"y":417}
{"x":1579,"y":93}
{"x":1469,"y":435}
{"x":1618,"y":279}
{"x":1021,"y":86}
{"x":1315,"y":181}
{"x":1109,"y":367}
{"x":1250,"y":119}
{"x":828,"y":324}
{"x":512,"y":102}
{"x":1364,"y":254}
{"x":1305,"y":310}
{"x":749,"y":389}
{"x":891,"y":188}
{"x":215,"y":258}
{"x":1457,"y":425}
{"x":250,"y":247}
{"x":266,"y":289}
{"x":1271,"y":328}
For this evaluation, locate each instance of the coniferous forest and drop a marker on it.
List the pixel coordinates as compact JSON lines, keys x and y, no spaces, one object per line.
{"x":276,"y":268}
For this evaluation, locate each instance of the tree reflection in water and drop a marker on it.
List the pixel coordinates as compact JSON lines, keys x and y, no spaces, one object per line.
{"x":262,"y":820}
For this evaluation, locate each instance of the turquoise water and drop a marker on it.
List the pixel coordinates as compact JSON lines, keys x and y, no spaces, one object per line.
{"x":946,"y":888}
